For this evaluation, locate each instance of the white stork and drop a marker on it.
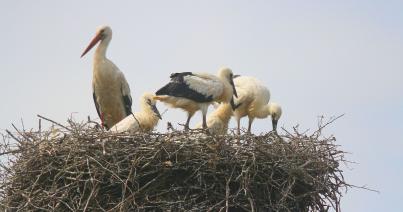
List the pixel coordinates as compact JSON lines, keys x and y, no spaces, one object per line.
{"x":196,"y":91}
{"x":253,"y":101}
{"x":144,"y":121}
{"x":217,"y":121}
{"x":111,"y":91}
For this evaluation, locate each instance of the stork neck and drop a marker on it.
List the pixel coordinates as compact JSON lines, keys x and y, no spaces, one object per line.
{"x":224,"y":112}
{"x":147,"y":118}
{"x":100,"y":52}
{"x":228,"y":92}
{"x":263,"y":112}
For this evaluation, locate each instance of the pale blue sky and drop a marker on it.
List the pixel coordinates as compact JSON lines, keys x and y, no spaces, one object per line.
{"x":317,"y":58}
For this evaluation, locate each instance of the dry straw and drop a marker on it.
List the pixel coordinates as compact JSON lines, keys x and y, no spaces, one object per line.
{"x":79,"y":167}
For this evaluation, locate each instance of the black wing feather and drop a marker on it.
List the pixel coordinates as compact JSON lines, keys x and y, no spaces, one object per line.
{"x":179,"y":76}
{"x":127,"y":101}
{"x":94,"y":96}
{"x":177,"y":87}
{"x":96,"y":103}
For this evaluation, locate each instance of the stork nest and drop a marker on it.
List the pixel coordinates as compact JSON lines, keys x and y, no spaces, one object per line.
{"x":82,"y":168}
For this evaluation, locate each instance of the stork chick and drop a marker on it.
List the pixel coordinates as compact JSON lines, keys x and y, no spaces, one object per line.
{"x":196,"y":91}
{"x":144,"y":121}
{"x":111,"y":92}
{"x":253,"y":101}
{"x":217,"y":121}
{"x":275,"y":112}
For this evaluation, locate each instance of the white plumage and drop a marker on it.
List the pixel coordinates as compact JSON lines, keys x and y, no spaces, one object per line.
{"x":253,"y":101}
{"x":205,"y":84}
{"x":111,"y":92}
{"x":275,"y":112}
{"x":196,"y":91}
{"x":217,"y":121}
{"x":144,"y":121}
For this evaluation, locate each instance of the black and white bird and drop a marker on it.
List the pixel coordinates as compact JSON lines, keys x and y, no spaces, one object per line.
{"x":253,"y":101}
{"x":196,"y":91}
{"x":144,"y":120}
{"x":111,"y":92}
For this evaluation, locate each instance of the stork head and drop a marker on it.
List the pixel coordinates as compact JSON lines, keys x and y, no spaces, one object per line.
{"x":275,"y":113}
{"x":103,"y":33}
{"x":149,"y":102}
{"x":226,"y":73}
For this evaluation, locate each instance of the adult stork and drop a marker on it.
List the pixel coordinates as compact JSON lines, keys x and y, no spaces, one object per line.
{"x":111,"y":92}
{"x":253,"y":101}
{"x":196,"y":91}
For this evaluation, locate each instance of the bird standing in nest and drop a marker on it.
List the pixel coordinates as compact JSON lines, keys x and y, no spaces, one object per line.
{"x":111,"y":92}
{"x":196,"y":91}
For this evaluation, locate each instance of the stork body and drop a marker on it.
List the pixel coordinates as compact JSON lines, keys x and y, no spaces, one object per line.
{"x":253,"y":101}
{"x":196,"y":91}
{"x":143,"y":121}
{"x":217,"y":121}
{"x":111,"y":92}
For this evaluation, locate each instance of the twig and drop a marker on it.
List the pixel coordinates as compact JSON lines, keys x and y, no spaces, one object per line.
{"x":54,"y":122}
{"x":15,"y":138}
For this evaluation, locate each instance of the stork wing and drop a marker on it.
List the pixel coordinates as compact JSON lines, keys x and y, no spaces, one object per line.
{"x":94,"y":96}
{"x":251,"y":91}
{"x":126,"y":97}
{"x":179,"y":76}
{"x":179,"y":87}
{"x":205,"y":84}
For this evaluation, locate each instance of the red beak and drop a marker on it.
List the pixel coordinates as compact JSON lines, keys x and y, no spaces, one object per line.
{"x":93,"y":42}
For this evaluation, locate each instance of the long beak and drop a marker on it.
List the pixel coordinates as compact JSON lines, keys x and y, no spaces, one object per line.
{"x":93,"y":42}
{"x":274,"y":122}
{"x":233,"y":88}
{"x":233,"y":105}
{"x":157,"y":113}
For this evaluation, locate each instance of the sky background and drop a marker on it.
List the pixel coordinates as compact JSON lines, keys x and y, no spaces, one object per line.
{"x":317,"y":58}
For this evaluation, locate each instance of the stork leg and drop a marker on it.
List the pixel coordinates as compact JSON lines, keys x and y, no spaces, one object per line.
{"x":250,"y":125}
{"x":188,"y":121}
{"x":102,"y":120}
{"x":238,"y":130}
{"x":204,"y":122}
{"x":238,"y":122}
{"x":204,"y":114}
